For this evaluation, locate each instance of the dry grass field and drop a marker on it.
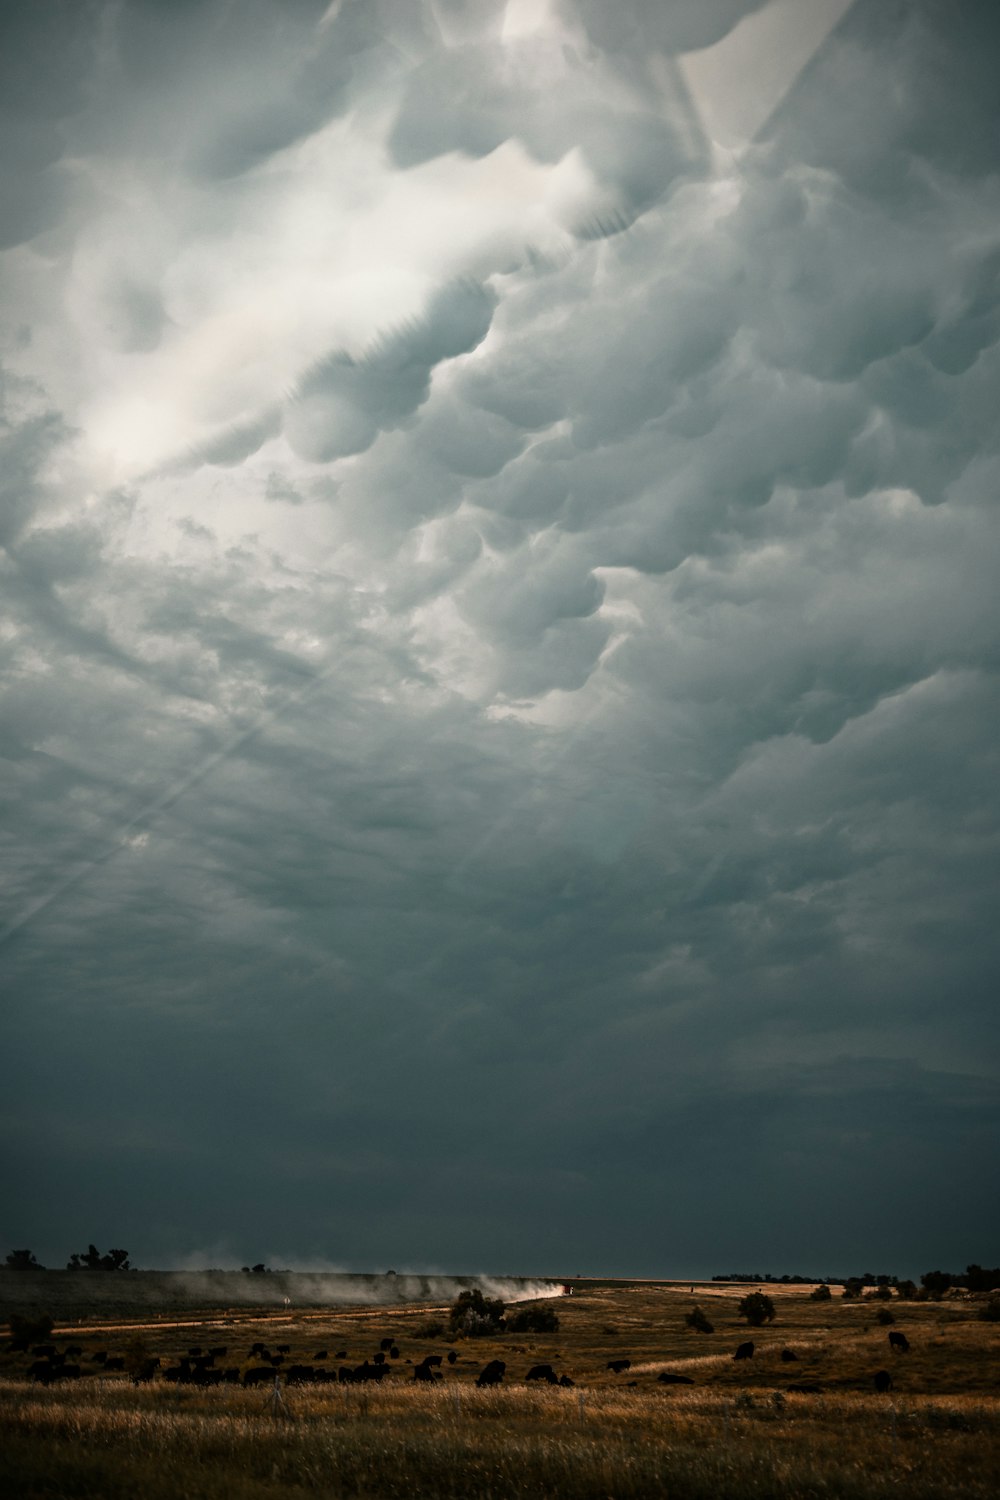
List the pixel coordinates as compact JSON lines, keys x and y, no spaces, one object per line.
{"x":736,"y":1431}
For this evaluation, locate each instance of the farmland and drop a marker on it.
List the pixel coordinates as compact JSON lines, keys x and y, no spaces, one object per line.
{"x":738,"y":1429}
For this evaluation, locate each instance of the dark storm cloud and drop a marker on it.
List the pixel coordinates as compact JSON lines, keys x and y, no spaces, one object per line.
{"x":534,"y":735}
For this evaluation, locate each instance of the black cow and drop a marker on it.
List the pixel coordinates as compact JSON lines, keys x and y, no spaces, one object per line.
{"x":788,"y":1355}
{"x":259,"y":1375}
{"x":100,"y":1356}
{"x":44,"y":1351}
{"x":322,"y":1354}
{"x":667,"y":1377}
{"x":899,"y":1341}
{"x":115,"y":1362}
{"x":424,"y":1371}
{"x":299,"y":1374}
{"x":452,"y":1356}
{"x":283,"y":1348}
{"x":432,"y":1359}
{"x":217,"y":1353}
{"x":619,"y":1366}
{"x":564,"y":1380}
{"x":385,"y":1345}
{"x":195,"y":1352}
{"x":883,"y":1381}
{"x":368,"y":1371}
{"x":492,"y":1374}
{"x":379,"y":1358}
{"x":393,"y":1351}
{"x":745,"y":1351}
{"x":340,"y":1354}
{"x":543,"y":1372}
{"x":73,"y":1351}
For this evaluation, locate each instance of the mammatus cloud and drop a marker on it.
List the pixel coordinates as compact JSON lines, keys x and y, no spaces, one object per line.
{"x":499,"y":646}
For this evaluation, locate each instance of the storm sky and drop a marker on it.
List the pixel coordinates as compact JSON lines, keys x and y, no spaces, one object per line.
{"x":499,"y":633}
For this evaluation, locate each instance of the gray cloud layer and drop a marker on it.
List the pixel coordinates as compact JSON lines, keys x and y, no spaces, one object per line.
{"x":499,"y":641}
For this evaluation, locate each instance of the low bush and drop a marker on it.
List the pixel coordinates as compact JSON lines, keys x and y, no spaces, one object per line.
{"x":697,"y":1320}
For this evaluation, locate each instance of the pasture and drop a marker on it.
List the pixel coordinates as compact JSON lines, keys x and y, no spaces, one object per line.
{"x":737,"y":1430}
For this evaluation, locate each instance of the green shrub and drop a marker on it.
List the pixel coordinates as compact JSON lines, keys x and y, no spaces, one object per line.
{"x":884,"y":1316}
{"x":30,"y":1330}
{"x":821,"y":1293}
{"x":991,"y":1312}
{"x":533,"y":1320}
{"x":697,"y":1320}
{"x":476,"y":1315}
{"x":757,"y":1308}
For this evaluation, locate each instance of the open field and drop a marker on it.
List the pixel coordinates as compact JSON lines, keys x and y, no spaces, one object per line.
{"x":737,"y":1431}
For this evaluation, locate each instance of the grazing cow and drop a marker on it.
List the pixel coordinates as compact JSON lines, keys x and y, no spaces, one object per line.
{"x":340,"y":1354}
{"x":116,"y":1362}
{"x":74,"y":1351}
{"x":619,"y":1366}
{"x":425,"y":1372}
{"x":217,"y":1353}
{"x":260,"y":1349}
{"x":883,"y":1381}
{"x":745,"y":1351}
{"x":393,"y":1352}
{"x":231,"y":1377}
{"x":899,"y":1341}
{"x":564,"y":1380}
{"x":43,"y":1370}
{"x":379,"y":1358}
{"x":345,"y":1375}
{"x":368,"y":1371}
{"x":805,"y":1390}
{"x":321,"y":1354}
{"x":543,"y":1372}
{"x":385,"y":1345}
{"x":44,"y":1351}
{"x":788,"y":1355}
{"x":452,"y":1356}
{"x":667,"y":1377}
{"x":144,"y":1371}
{"x":283,"y":1348}
{"x":299,"y":1374}
{"x":491,"y":1374}
{"x":259,"y":1375}
{"x":432,"y":1359}
{"x":195,"y":1352}
{"x":99,"y":1357}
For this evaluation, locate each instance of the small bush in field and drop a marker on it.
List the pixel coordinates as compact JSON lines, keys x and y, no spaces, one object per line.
{"x":476,"y":1315}
{"x":884,"y":1316}
{"x":757,"y":1308}
{"x":821,"y":1294}
{"x":533,"y":1320}
{"x":991,"y":1312}
{"x":697,"y":1320}
{"x":30,"y":1330}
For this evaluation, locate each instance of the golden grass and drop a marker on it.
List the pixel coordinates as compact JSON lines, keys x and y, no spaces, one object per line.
{"x":737,"y":1432}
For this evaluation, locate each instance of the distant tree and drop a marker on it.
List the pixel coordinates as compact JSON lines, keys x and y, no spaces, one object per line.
{"x":852,"y":1287}
{"x":980,"y":1279}
{"x":936,"y":1283}
{"x":907,"y":1290}
{"x":23,"y":1260}
{"x":884,"y":1316}
{"x":260,"y":1269}
{"x":533,"y":1319}
{"x":476,"y":1315}
{"x":757,"y":1308}
{"x":822,"y":1293}
{"x":92,"y":1260}
{"x":697,"y":1320}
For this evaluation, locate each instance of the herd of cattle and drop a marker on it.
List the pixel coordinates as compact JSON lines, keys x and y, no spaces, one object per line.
{"x":209,"y":1367}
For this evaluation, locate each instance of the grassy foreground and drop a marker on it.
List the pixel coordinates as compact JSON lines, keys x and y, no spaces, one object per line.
{"x":737,"y":1432}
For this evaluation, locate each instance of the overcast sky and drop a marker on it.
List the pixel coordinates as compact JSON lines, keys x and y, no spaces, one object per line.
{"x":499,"y":633}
